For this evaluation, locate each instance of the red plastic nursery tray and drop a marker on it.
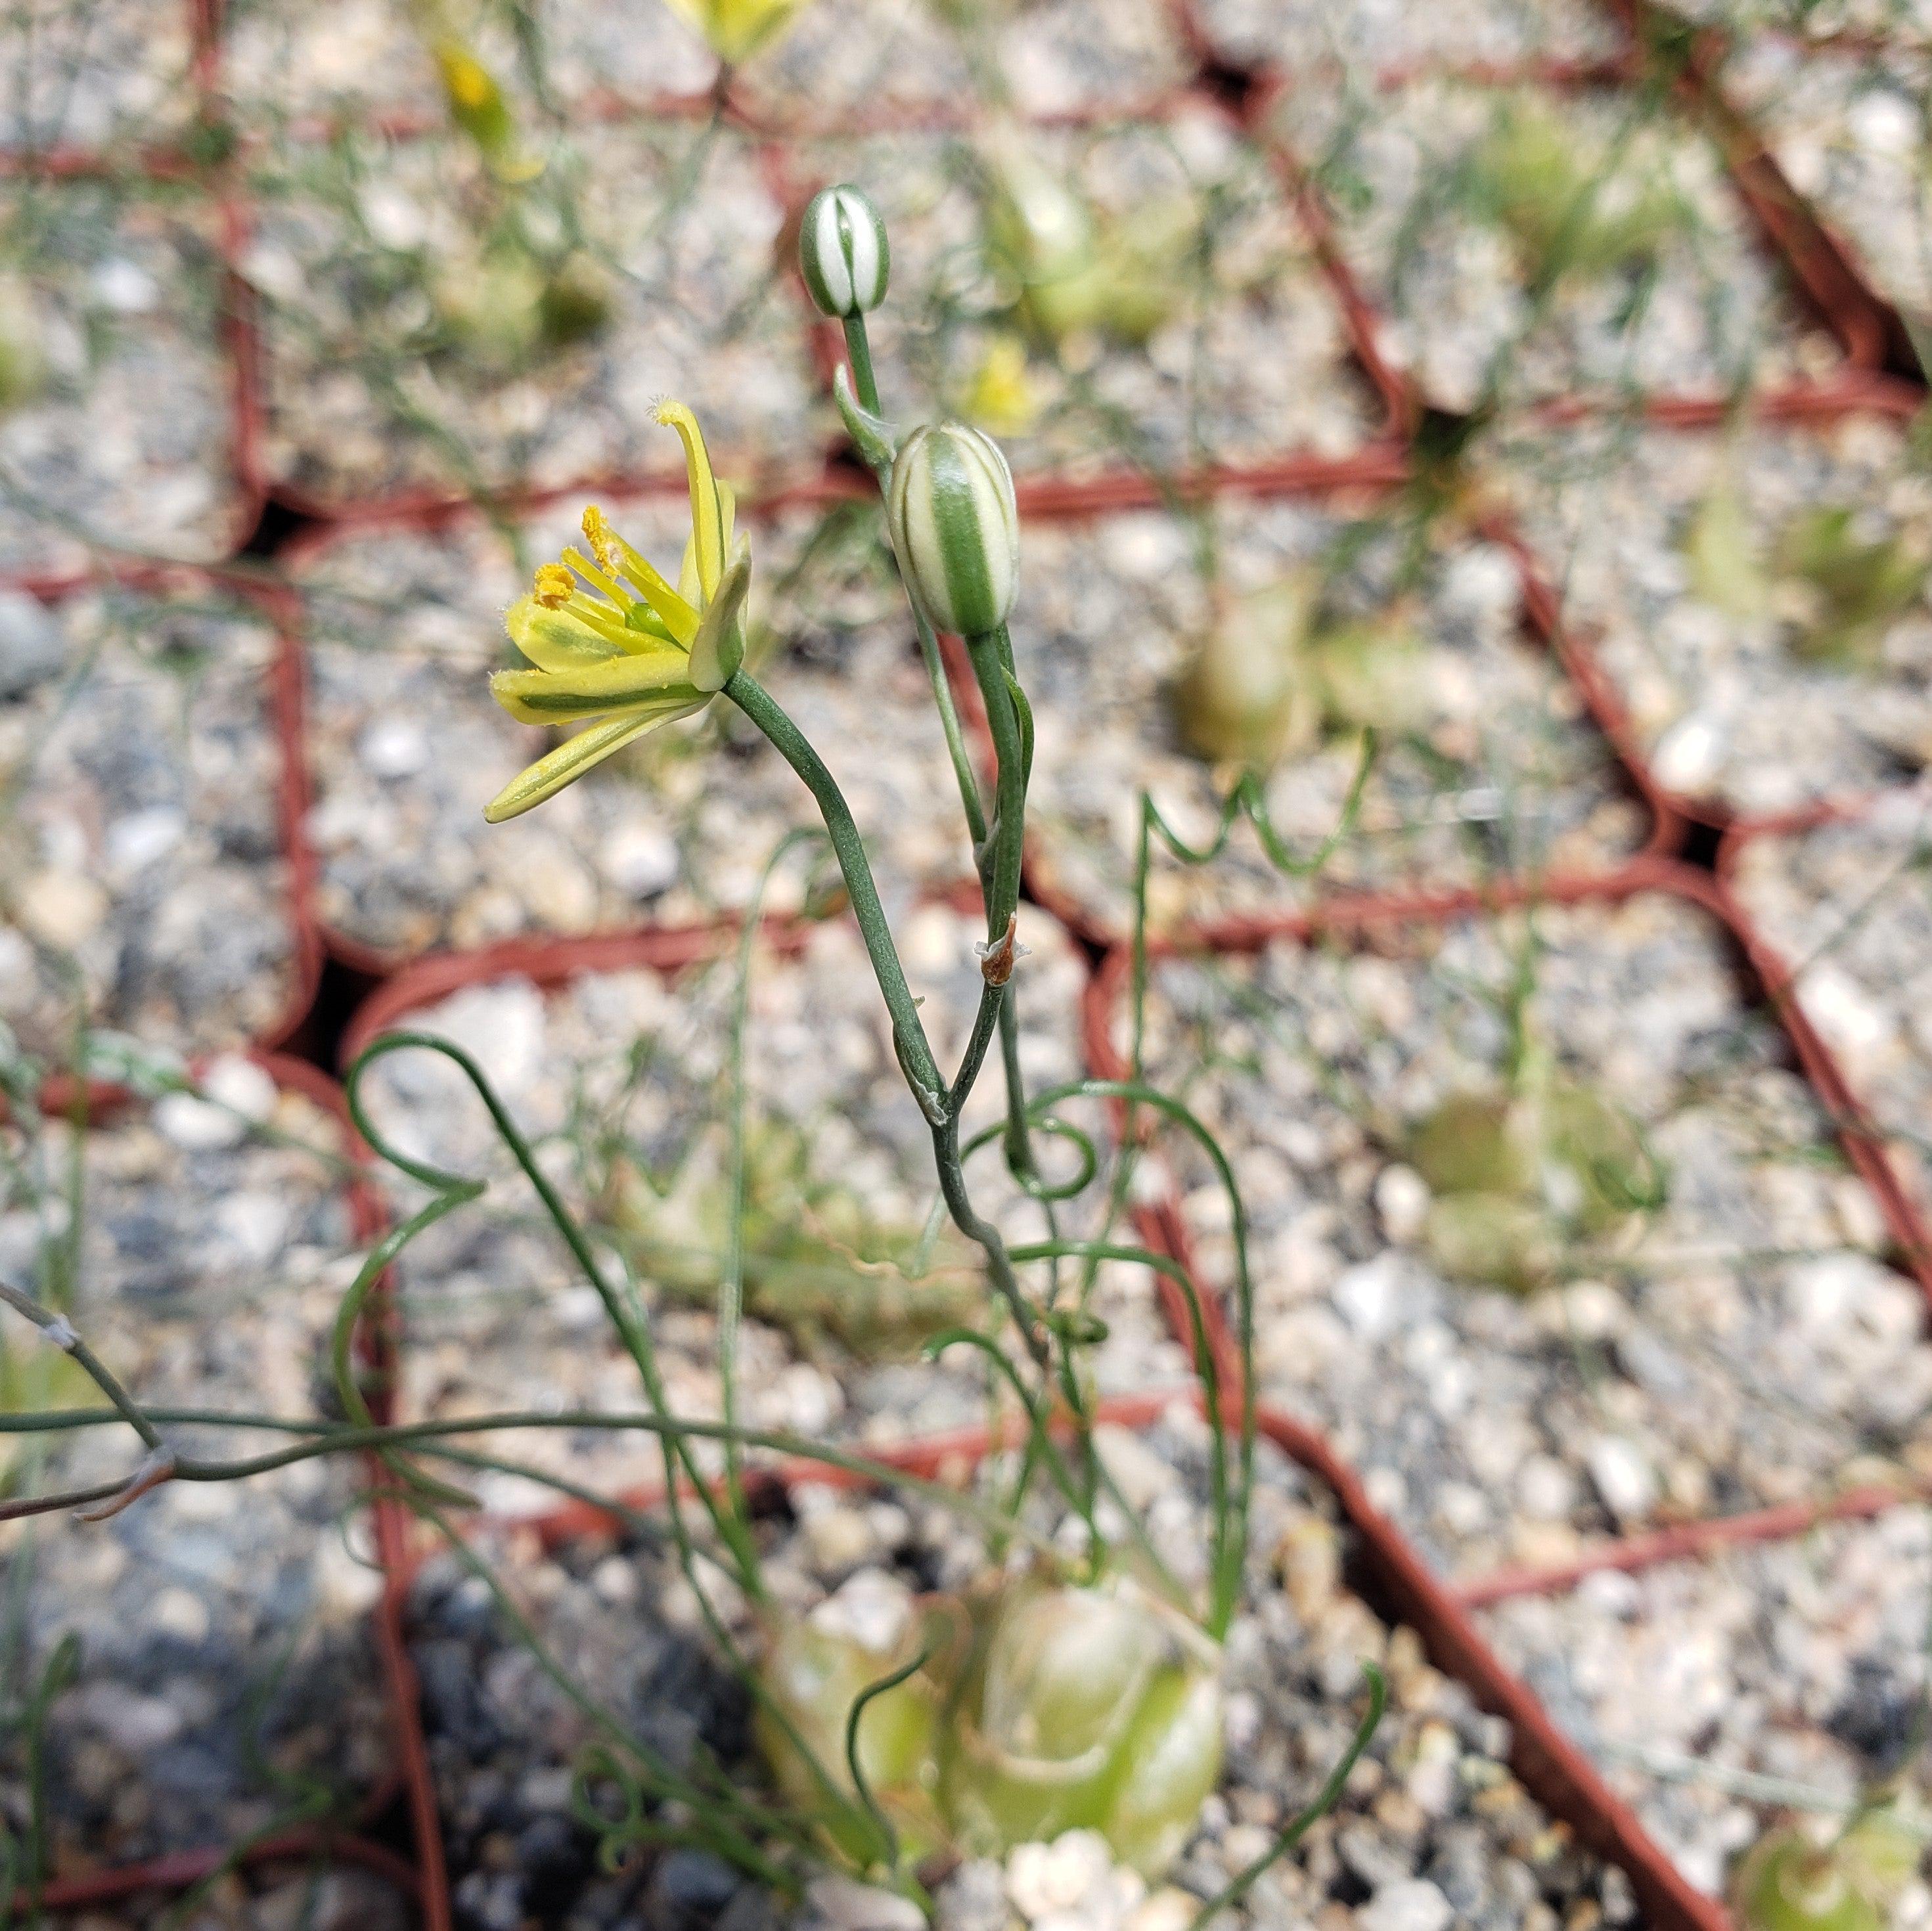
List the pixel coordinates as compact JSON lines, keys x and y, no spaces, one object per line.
{"x":1732,"y":1683}
{"x":869,"y":64}
{"x":1446,"y":192}
{"x":401,"y":622}
{"x":1768,"y":95}
{"x":224,"y":1700}
{"x":1225,"y":350}
{"x":614,"y":1056}
{"x":1396,"y":1279}
{"x":1353,"y":1587}
{"x":155,"y":885}
{"x":1747,"y":598}
{"x":126,"y":81}
{"x":129,"y":431}
{"x":1627,"y":1419}
{"x":1838,"y":899}
{"x":1172,"y":654}
{"x":1267,"y":38}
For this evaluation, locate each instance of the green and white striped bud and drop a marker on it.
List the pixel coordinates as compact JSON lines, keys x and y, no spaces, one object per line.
{"x":842,"y":253}
{"x":955,"y":528}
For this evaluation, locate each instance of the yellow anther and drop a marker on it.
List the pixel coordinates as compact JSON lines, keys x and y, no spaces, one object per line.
{"x":600,"y":537}
{"x":555,"y":585}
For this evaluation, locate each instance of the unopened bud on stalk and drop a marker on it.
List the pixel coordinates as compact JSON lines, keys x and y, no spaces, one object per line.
{"x":843,"y":253}
{"x":955,"y":527}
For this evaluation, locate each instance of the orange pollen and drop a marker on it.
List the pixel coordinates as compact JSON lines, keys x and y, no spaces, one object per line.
{"x":555,"y":585}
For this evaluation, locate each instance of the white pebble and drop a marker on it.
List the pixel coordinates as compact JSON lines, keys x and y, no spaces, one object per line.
{"x":1414,"y":1905}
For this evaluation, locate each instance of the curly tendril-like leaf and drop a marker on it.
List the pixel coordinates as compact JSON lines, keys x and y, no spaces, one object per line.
{"x":1326,"y":1799}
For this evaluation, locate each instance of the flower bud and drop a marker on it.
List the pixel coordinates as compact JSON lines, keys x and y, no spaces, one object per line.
{"x":843,"y":253}
{"x":955,"y":527}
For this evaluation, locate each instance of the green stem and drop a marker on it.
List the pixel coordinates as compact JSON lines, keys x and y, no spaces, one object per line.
{"x":1018,"y":1137}
{"x":915,"y":1050}
{"x":940,"y":1105}
{"x":989,"y":654}
{"x":859,"y":347}
{"x":963,"y":772}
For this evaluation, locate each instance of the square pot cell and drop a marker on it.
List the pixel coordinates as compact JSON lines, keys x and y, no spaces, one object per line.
{"x":1183,"y":320}
{"x":842,"y":65}
{"x":1848,"y":908}
{"x":220,"y":1678}
{"x":144,"y":887}
{"x":117,"y":397}
{"x":1549,"y":1268}
{"x":1526,"y":244}
{"x":1433,"y":1828}
{"x":1151,"y":670}
{"x":428,"y":328}
{"x":111,"y":72}
{"x":622,"y":1079}
{"x":405,"y":745}
{"x":1370,"y":36}
{"x":1720,"y":1697}
{"x":1851,"y":131}
{"x":302,"y":69}
{"x":1757,"y":600}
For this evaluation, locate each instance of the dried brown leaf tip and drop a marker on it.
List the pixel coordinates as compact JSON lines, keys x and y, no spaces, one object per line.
{"x":997,"y":961}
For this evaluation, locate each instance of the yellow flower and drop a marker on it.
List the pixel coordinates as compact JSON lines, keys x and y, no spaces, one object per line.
{"x":610,"y":639}
{"x":1003,"y":398}
{"x":736,"y":29}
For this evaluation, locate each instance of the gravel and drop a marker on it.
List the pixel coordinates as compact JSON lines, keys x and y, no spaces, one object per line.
{"x":1730,"y":712}
{"x":1820,"y":21}
{"x":834,"y":64}
{"x":840,"y":63}
{"x":1371,"y":36}
{"x":406,"y":746}
{"x":1700,"y":310}
{"x":223,"y":1680}
{"x":143,"y":879}
{"x":1847,"y":906}
{"x":365,"y":252}
{"x":1432,"y":1827}
{"x":1851,"y":132}
{"x":111,"y":72}
{"x":366,"y":57}
{"x":1495,"y":772}
{"x":1802,"y":1662}
{"x":111,"y":301}
{"x":621,"y":1074}
{"x":1741,"y":1345}
{"x":1252,"y":364}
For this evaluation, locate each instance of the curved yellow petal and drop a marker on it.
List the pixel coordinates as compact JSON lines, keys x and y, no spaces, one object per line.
{"x":616,"y":683}
{"x":572,"y":759}
{"x":708,"y":530}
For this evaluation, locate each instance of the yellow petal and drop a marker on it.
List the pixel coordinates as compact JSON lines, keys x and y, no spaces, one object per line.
{"x":573,"y":758}
{"x":617,"y":683}
{"x":554,"y":640}
{"x":708,"y":531}
{"x":718,"y":648}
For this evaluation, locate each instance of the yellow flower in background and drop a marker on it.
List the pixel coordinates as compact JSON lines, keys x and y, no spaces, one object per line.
{"x":1003,"y":398}
{"x":610,"y":639}
{"x":478,"y":105}
{"x":736,"y":29}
